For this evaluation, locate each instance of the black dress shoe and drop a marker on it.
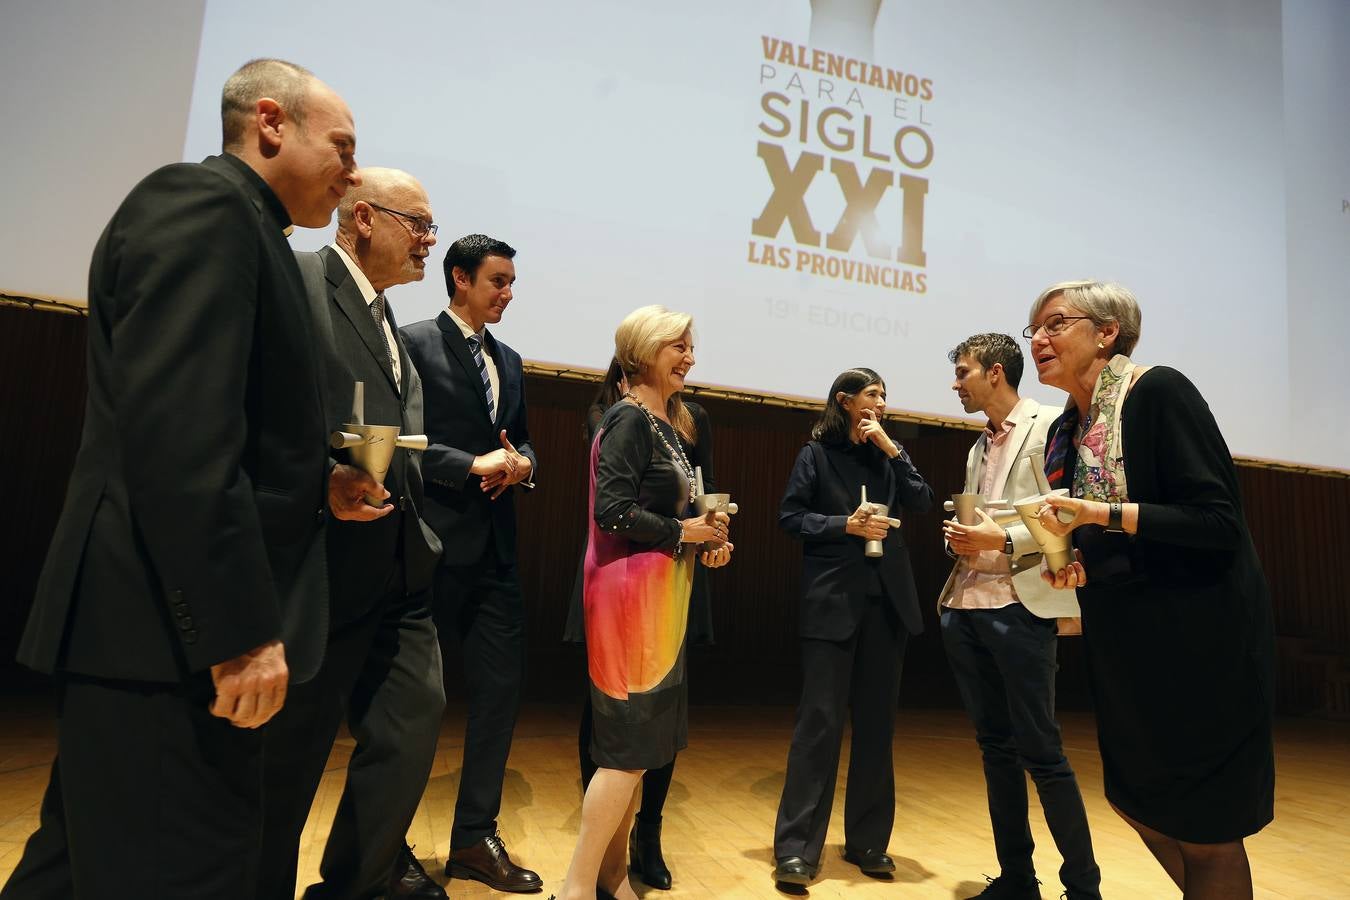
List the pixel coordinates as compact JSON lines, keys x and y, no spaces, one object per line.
{"x":1005,"y":888}
{"x":410,"y":880}
{"x":644,"y":856}
{"x":871,"y":862}
{"x":487,"y":861}
{"x":794,"y":870}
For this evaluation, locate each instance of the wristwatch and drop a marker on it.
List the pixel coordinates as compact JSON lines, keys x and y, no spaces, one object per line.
{"x":1115,"y":517}
{"x":1007,"y":542}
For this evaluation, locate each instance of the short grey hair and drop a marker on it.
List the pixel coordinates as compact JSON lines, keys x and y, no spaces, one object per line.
{"x":1102,"y":302}
{"x":282,"y":81}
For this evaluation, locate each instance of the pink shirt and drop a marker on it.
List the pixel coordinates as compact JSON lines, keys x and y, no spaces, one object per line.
{"x":984,"y":581}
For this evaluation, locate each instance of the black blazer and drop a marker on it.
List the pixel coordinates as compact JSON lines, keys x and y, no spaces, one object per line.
{"x":837,"y":576}
{"x":458,"y":427}
{"x":192,"y":526}
{"x":362,"y":555}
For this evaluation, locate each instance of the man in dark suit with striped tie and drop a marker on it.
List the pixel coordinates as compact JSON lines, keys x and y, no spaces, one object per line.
{"x":479,"y":452}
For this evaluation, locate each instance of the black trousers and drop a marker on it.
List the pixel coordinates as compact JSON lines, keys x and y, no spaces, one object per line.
{"x":383,"y":674}
{"x":150,"y":796}
{"x":1004,"y":663}
{"x":857,"y":679}
{"x":481,"y":619}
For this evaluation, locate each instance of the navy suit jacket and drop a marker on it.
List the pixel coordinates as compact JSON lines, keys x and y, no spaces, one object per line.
{"x":458,"y":428}
{"x":836,"y":577}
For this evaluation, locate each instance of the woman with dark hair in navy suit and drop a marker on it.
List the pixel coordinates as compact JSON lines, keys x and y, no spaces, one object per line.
{"x":856,"y":613}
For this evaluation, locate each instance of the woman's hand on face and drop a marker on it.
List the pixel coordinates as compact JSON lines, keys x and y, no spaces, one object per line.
{"x":1071,"y":576}
{"x":697,"y":529}
{"x":862,"y":523}
{"x":967,"y":540}
{"x":715,"y":559}
{"x":1084,"y":512}
{"x":869,"y":429}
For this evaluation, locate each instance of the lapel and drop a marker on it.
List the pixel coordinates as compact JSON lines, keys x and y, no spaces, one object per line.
{"x":974,"y":460}
{"x":1017,"y":442}
{"x":459,"y":349}
{"x":851,"y":493}
{"x":274,"y":215}
{"x":404,"y":363}
{"x":348,"y":298}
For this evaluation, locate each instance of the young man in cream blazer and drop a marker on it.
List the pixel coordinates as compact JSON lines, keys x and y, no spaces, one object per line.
{"x":1000,"y":629}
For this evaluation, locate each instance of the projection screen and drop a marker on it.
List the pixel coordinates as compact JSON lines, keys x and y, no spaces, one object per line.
{"x":866,"y":182}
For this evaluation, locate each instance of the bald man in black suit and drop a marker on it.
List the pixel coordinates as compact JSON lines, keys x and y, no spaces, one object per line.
{"x":184,"y":587}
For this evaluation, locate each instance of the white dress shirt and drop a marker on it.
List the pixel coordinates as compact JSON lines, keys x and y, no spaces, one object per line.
{"x":368,"y":294}
{"x":487,"y":361}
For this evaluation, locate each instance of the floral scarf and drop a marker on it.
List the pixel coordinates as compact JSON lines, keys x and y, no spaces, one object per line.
{"x":1099,"y":461}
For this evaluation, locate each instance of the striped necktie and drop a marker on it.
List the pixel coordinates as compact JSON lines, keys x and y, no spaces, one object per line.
{"x":476,"y":348}
{"x":377,"y":313}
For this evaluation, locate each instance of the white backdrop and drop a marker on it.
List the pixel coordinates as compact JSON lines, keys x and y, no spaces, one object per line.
{"x":622,"y":150}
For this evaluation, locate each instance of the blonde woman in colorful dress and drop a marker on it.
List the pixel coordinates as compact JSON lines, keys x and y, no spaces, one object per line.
{"x":638,"y":574}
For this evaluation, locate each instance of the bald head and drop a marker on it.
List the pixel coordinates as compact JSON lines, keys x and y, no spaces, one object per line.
{"x":385,"y":187}
{"x":295,"y":132}
{"x":385,"y":226}
{"x":277,"y":79}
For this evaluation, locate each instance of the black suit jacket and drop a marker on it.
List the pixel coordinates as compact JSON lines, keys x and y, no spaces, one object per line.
{"x":362,"y":555}
{"x":837,"y":576}
{"x":459,"y":429}
{"x":192,"y":525}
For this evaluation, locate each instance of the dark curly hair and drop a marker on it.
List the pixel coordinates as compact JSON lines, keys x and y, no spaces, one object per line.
{"x":990,"y":348}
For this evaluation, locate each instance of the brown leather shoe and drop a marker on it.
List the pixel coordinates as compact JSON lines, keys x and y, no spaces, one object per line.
{"x":487,"y":861}
{"x":409,"y":880}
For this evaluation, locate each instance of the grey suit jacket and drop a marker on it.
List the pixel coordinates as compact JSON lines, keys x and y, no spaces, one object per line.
{"x":361,"y":555}
{"x":1014,"y":480}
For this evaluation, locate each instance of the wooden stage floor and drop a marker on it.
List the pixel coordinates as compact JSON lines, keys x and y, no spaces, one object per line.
{"x":719,"y":818}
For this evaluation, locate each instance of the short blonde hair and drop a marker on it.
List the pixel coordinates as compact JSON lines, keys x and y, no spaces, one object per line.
{"x":1102,"y":302}
{"x":637,"y":340}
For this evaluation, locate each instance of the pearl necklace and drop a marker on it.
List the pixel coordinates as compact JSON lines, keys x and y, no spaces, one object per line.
{"x":676,"y":452}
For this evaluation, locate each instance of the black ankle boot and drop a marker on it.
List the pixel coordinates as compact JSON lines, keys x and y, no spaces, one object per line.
{"x":644,"y":855}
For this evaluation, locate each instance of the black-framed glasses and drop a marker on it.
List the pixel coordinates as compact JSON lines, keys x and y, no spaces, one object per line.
{"x":1054,"y":324}
{"x":419,"y":226}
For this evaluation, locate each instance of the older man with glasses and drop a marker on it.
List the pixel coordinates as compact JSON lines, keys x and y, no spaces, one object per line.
{"x":383,"y":666}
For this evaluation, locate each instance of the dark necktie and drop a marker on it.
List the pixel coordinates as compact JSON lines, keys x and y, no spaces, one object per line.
{"x":476,"y":348}
{"x":377,"y":313}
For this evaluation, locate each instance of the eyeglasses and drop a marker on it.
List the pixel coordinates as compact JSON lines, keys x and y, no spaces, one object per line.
{"x":419,"y":226}
{"x":1053,"y":325}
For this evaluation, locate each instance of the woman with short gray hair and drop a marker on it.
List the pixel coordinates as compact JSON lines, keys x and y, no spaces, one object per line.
{"x":1176,"y":613}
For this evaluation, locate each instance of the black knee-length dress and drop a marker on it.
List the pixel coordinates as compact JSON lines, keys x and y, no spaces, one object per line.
{"x":1177,"y":628}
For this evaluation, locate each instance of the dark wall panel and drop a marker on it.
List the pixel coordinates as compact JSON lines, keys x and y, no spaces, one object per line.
{"x":42,"y":380}
{"x":1297,"y":521}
